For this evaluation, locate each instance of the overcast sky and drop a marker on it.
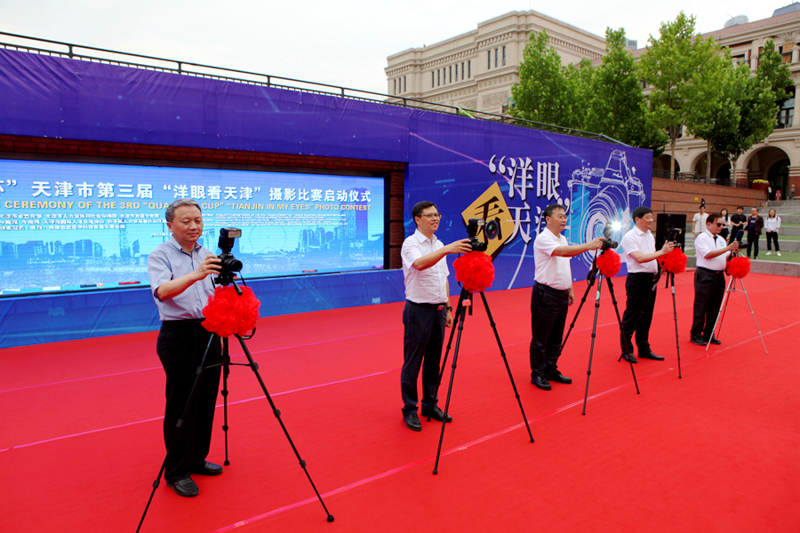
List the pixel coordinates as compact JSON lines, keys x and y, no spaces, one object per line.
{"x":341,"y":43}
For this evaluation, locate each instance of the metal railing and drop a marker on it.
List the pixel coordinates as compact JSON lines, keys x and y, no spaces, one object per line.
{"x":186,"y":68}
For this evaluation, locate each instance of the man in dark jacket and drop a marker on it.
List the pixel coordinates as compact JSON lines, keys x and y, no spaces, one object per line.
{"x":754,"y":226}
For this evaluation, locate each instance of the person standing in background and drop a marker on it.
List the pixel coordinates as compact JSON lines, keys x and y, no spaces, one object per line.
{"x":771,"y":226}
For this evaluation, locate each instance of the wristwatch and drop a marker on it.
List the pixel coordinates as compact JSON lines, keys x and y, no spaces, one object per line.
{"x":449,"y":307}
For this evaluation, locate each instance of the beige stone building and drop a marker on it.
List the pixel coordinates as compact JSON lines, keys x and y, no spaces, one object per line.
{"x":477,"y":69}
{"x":777,"y":159}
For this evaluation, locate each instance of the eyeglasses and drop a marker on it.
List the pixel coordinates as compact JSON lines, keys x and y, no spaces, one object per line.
{"x":720,"y":224}
{"x":432,"y":215}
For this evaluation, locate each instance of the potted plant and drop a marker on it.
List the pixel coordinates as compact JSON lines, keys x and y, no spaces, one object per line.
{"x":761,"y":185}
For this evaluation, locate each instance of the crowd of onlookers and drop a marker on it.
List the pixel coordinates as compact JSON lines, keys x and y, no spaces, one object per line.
{"x":736,"y":226}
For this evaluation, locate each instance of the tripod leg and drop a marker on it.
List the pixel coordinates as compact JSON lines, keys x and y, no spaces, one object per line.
{"x":671,"y":279}
{"x":622,"y":332}
{"x":717,"y":322}
{"x":591,"y":350}
{"x":741,"y":282}
{"x":277,"y":413}
{"x":179,"y":425}
{"x":505,"y":360}
{"x":577,"y":313}
{"x":459,"y":309}
{"x":449,"y":389}
{"x":226,"y":361}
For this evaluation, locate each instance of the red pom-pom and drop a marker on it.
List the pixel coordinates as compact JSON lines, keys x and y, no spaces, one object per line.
{"x":608,"y":263}
{"x":228,"y":314}
{"x":738,"y":267}
{"x":474,"y":271}
{"x":674,"y":262}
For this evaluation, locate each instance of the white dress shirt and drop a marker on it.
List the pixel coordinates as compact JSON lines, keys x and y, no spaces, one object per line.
{"x":427,"y":286}
{"x":706,"y":243}
{"x":637,"y":240}
{"x":551,"y":270}
{"x":699,"y":222}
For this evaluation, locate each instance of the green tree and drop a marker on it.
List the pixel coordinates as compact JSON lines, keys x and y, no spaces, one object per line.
{"x":772,"y":70}
{"x":670,"y":66}
{"x":547,"y":92}
{"x":713,"y":104}
{"x":616,"y":106}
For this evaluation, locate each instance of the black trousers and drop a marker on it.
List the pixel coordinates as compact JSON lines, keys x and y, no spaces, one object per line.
{"x":752,"y":242}
{"x":422,"y":347}
{"x":772,"y":236}
{"x":640,"y":303}
{"x":180,"y":347}
{"x":709,"y":289}
{"x":548,"y":316}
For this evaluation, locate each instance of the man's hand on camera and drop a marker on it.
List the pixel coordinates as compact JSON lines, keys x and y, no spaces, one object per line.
{"x":668,"y":247}
{"x":597,"y":243}
{"x":733,"y":246}
{"x":459,"y":247}
{"x":210,"y":265}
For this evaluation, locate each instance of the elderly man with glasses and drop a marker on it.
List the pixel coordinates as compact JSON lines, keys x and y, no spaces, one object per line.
{"x":709,"y":279}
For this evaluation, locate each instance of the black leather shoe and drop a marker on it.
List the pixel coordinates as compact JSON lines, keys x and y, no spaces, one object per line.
{"x":558,"y":377}
{"x":435,"y":413}
{"x":412,"y":421}
{"x":715,"y":342}
{"x":629,"y":358}
{"x":542,"y":383}
{"x":697,"y":340}
{"x":184,"y":487}
{"x":208,"y":469}
{"x":650,"y":355}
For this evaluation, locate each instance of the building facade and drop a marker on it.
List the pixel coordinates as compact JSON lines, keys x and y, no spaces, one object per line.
{"x":777,"y":158}
{"x":477,"y":69}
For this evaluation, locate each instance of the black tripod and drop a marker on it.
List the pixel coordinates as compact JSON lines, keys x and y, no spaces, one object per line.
{"x":225,"y":364}
{"x":590,"y":278}
{"x":671,"y":283}
{"x":464,"y":302}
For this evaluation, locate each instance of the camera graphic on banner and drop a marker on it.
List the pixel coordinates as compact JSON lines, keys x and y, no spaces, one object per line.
{"x":602,"y":196}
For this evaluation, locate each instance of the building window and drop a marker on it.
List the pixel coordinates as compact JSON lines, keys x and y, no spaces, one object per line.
{"x":462,"y":71}
{"x":786,"y":114}
{"x":469,"y":69}
{"x":456,"y":71}
{"x":495,"y":57}
{"x":438,"y":77}
{"x":504,"y":56}
{"x":433,"y":80}
{"x":489,"y":58}
{"x":405,"y":87}
{"x":451,"y":73}
{"x":395,"y":87}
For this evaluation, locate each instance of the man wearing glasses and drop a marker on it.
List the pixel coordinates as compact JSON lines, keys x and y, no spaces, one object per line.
{"x":709,"y":279}
{"x":427,"y":312}
{"x":552,"y":295}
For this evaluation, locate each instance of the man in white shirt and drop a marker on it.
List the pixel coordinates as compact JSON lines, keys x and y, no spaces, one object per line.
{"x":552,"y":295}
{"x":639,"y":248}
{"x":427,"y":312}
{"x":709,"y":280}
{"x":699,"y":220}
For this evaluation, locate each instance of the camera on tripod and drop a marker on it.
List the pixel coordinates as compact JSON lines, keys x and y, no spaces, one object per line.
{"x":609,"y":243}
{"x":672,"y":235}
{"x":491,"y":229}
{"x":228,"y":263}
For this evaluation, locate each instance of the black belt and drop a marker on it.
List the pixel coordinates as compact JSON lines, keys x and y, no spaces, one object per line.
{"x":709,"y":270}
{"x":548,"y":288}
{"x":185,"y":323}
{"x":432,"y":307}
{"x":651,"y":274}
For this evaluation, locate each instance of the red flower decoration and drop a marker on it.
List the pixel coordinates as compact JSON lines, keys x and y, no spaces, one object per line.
{"x":609,"y":263}
{"x":228,"y":314}
{"x":674,"y":262}
{"x":474,"y":271}
{"x":738,"y":267}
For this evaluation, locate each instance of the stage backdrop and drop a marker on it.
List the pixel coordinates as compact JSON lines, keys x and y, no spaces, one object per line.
{"x":470,"y":168}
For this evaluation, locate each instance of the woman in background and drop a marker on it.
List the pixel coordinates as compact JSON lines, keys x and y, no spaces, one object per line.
{"x":727,"y":221}
{"x":771,"y":226}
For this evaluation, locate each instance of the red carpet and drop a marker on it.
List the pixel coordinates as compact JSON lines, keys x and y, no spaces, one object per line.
{"x":717,"y":450}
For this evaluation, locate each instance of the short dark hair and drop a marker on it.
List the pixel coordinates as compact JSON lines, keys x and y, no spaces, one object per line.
{"x":712,"y":217}
{"x":548,"y":211}
{"x":169,"y":214}
{"x":741,"y":207}
{"x":419,"y":207}
{"x":640,"y":212}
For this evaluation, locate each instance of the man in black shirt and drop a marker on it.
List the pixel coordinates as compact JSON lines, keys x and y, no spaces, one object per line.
{"x":737,"y":224}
